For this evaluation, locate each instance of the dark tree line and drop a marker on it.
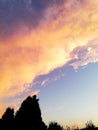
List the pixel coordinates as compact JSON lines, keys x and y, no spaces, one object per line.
{"x":29,"y":117}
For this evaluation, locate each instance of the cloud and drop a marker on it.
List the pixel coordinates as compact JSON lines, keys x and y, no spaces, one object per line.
{"x":46,"y":79}
{"x":85,"y":54}
{"x":45,"y":82}
{"x":38,"y":37}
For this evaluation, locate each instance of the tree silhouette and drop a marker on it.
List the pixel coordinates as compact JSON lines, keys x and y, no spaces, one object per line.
{"x":8,"y":114}
{"x":90,"y":124}
{"x":68,"y":128}
{"x":54,"y":126}
{"x":29,"y":115}
{"x":7,"y":121}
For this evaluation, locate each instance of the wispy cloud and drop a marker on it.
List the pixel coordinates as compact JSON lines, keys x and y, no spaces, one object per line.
{"x":45,"y":82}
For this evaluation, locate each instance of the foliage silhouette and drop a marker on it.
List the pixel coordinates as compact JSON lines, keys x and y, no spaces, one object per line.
{"x":54,"y":126}
{"x":9,"y":114}
{"x":27,"y":117}
{"x":90,"y":124}
{"x":7,"y":121}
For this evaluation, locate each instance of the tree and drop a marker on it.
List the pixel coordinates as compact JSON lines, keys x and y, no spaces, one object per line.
{"x":67,"y":127}
{"x":90,"y":124}
{"x":29,"y":115}
{"x":7,"y":121}
{"x":54,"y":126}
{"x":8,"y":114}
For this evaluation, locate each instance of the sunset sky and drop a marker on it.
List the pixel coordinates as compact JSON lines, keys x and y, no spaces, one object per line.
{"x":50,"y":48}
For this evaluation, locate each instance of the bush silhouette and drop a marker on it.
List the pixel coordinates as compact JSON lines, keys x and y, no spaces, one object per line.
{"x":54,"y":126}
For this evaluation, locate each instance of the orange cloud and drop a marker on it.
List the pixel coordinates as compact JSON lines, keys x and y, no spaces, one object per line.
{"x":39,"y":51}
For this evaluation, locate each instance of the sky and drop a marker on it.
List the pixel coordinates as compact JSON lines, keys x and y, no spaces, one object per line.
{"x":50,"y":48}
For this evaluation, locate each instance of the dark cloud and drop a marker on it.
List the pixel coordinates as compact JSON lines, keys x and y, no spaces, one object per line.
{"x":26,"y":12}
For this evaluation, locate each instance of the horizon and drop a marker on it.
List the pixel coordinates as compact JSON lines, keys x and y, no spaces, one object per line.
{"x":50,"y":48}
